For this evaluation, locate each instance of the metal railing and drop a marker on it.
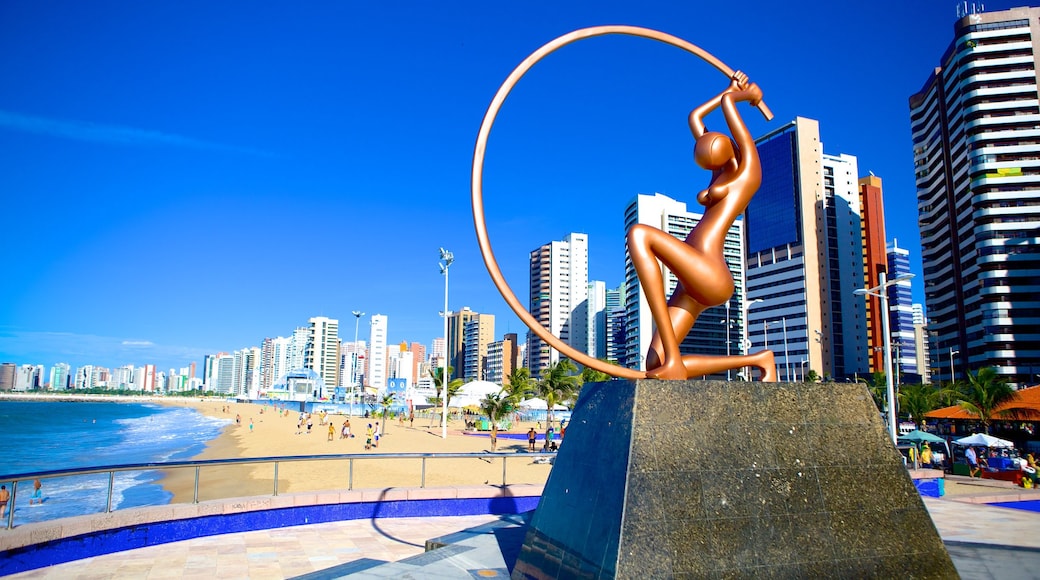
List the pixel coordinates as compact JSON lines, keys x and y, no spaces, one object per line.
{"x":111,"y":470}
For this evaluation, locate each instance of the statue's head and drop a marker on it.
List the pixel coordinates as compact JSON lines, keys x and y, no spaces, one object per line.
{"x":713,"y":150}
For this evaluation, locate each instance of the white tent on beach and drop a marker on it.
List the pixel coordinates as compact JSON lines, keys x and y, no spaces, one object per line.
{"x":473,"y":392}
{"x":537,"y":404}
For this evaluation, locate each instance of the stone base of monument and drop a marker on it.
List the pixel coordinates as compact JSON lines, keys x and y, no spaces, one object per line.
{"x":659,"y":479}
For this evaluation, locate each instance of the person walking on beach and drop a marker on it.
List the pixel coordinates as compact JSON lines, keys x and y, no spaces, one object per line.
{"x":310,"y":423}
{"x":4,"y":497}
{"x":332,"y":431}
{"x":411,"y":418}
{"x":368,"y":437}
{"x":250,"y":424}
{"x":531,"y":436}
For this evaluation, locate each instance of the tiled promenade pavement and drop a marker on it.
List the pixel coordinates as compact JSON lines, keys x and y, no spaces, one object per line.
{"x":984,"y":541}
{"x":278,"y":553}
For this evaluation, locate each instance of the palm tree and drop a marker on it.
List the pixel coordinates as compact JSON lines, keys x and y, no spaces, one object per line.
{"x":559,"y":384}
{"x":453,"y":389}
{"x":495,"y":406}
{"x":878,"y":388}
{"x":454,"y":386}
{"x":387,"y":401}
{"x":917,"y":400}
{"x":591,"y":375}
{"x":518,"y":385}
{"x":983,"y":393}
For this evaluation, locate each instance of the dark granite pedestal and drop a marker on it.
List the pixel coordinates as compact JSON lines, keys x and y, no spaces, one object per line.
{"x":705,"y":479}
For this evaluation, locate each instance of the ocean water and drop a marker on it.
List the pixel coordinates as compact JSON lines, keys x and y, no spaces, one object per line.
{"x":50,"y":435}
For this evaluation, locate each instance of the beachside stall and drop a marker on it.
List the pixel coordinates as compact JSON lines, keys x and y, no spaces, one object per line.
{"x":997,"y":457}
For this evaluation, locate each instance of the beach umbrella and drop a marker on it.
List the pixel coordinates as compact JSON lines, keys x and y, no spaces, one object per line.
{"x":983,"y":440}
{"x":918,"y":436}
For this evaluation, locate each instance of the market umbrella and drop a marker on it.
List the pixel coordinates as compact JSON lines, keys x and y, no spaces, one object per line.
{"x":918,"y":436}
{"x":983,"y":440}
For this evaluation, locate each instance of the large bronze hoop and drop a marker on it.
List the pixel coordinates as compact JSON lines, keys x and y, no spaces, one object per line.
{"x":477,"y":179}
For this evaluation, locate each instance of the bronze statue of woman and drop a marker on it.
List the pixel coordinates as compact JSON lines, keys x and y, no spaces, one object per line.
{"x":698,"y":263}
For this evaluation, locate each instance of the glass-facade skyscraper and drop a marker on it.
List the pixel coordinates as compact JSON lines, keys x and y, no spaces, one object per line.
{"x":805,"y":257}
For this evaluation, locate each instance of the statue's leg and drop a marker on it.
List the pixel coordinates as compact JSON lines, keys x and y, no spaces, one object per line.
{"x":683,"y":312}
{"x":698,"y":365}
{"x":645,"y":246}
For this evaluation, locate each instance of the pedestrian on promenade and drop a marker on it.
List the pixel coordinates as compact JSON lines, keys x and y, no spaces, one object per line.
{"x":973,"y":461}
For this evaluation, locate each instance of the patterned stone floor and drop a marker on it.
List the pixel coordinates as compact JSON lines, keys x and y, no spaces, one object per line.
{"x":984,"y":541}
{"x":279,"y":553}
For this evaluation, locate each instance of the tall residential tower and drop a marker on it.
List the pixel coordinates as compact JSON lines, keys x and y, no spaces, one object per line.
{"x":559,"y":294}
{"x":975,"y":126}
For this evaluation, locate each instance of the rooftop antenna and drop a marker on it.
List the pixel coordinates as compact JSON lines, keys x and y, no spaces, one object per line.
{"x":966,"y":8}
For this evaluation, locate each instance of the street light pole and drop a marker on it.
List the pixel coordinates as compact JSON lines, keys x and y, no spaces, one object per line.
{"x":787,"y":357}
{"x":354,"y":374}
{"x":881,"y":292}
{"x":727,"y":338}
{"x":952,"y":352}
{"x":746,"y":342}
{"x":446,"y":260}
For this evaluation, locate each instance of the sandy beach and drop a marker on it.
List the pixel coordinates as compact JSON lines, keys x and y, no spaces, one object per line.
{"x":275,"y":434}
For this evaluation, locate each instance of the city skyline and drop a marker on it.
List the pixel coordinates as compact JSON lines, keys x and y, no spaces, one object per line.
{"x":189,"y":180}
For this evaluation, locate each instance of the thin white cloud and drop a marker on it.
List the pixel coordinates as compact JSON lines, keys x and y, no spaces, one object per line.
{"x":111,"y":134}
{"x":47,"y":348}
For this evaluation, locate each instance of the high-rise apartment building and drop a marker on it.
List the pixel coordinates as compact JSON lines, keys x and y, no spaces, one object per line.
{"x":875,"y":261}
{"x":558,"y":300}
{"x":224,"y":374}
{"x":401,"y":364}
{"x":8,"y":376}
{"x":322,"y":354}
{"x":502,"y":358}
{"x":805,"y":257}
{"x":976,"y":147}
{"x":28,"y":379}
{"x":458,"y":349}
{"x":596,"y":320}
{"x":922,"y":344}
{"x":377,"y":355}
{"x":710,"y":333}
{"x":478,"y":333}
{"x":276,"y":360}
{"x":901,"y":316}
{"x":614,"y":326}
{"x":418,"y":350}
{"x":60,"y":377}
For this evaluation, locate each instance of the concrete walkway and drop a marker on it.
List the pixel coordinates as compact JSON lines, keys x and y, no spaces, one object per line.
{"x":984,"y":541}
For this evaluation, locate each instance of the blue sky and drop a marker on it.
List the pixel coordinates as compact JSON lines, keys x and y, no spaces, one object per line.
{"x":184,"y":178}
